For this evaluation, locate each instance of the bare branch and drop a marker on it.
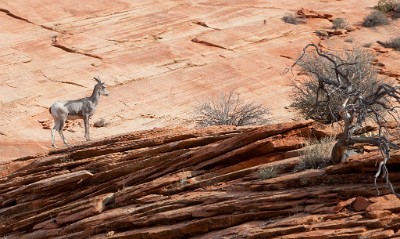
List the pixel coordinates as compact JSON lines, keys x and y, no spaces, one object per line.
{"x":347,"y":88}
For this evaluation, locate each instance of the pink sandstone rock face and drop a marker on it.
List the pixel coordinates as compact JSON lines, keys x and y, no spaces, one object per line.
{"x":159,"y":58}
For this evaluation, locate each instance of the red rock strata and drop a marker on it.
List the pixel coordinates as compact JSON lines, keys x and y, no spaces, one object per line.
{"x":204,"y":183}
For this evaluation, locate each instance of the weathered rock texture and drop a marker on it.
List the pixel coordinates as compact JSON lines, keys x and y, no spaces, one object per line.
{"x":205,"y":183}
{"x":160,"y":58}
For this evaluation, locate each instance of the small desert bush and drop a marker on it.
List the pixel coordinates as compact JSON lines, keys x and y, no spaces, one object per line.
{"x":386,"y":6}
{"x":376,"y":18}
{"x":230,"y":109}
{"x":291,"y":19}
{"x":317,"y":154}
{"x":267,"y":172}
{"x":339,"y":23}
{"x":393,"y":43}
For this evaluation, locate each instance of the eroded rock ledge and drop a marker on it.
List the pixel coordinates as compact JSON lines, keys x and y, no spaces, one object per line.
{"x":180,"y":183}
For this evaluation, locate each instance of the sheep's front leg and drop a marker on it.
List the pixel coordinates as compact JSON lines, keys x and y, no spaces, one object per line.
{"x":86,"y":122}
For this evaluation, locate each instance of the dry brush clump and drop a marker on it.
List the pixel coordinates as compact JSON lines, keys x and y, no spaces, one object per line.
{"x":393,"y":43}
{"x":230,"y":109}
{"x":316,"y":154}
{"x":267,"y":172}
{"x":339,"y":23}
{"x":291,"y":19}
{"x":375,"y":18}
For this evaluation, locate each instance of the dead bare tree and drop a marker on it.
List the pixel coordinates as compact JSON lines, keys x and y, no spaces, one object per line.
{"x":352,"y":95}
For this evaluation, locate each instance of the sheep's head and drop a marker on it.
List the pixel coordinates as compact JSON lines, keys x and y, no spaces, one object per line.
{"x":101,"y":86}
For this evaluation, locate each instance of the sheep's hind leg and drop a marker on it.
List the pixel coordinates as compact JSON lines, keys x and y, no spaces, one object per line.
{"x":53,"y":136}
{"x":62,"y":134}
{"x":63,"y":138}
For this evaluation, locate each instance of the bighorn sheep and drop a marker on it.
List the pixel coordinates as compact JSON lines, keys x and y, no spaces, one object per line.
{"x":76,"y":109}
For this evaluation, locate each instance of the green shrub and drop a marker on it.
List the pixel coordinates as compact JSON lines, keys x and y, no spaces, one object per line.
{"x":317,"y":154}
{"x":339,"y":23}
{"x":390,"y":7}
{"x":386,"y":6}
{"x":376,"y":18}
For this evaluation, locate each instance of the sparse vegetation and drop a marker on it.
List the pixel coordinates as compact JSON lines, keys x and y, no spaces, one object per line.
{"x":376,"y":18}
{"x":339,"y":23}
{"x":317,"y":154}
{"x":291,"y":19}
{"x":229,"y":109}
{"x":393,"y":43}
{"x":267,"y":172}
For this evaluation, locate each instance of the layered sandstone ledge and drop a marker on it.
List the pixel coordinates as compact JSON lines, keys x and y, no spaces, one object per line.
{"x":180,"y":183}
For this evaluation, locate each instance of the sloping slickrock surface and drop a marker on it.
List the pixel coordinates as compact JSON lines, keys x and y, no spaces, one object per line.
{"x":205,"y":183}
{"x":159,"y":59}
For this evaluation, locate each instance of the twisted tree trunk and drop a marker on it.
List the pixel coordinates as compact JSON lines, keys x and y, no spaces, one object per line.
{"x":360,"y":99}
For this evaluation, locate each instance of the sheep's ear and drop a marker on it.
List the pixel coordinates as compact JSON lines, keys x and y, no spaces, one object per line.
{"x":97,"y":79}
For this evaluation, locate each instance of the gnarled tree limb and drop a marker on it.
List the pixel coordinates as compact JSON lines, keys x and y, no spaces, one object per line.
{"x":359,"y":99}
